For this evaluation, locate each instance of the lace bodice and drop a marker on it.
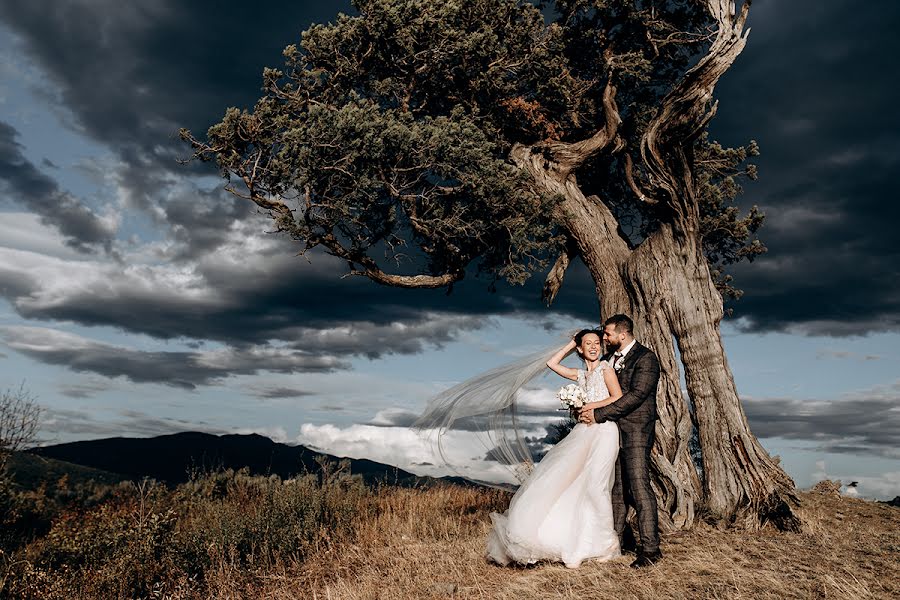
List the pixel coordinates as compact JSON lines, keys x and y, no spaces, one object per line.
{"x":593,"y":383}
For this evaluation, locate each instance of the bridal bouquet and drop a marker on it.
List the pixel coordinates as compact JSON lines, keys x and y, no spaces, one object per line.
{"x":572,"y":397}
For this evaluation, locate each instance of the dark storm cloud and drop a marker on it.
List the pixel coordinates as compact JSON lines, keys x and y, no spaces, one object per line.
{"x":244,"y":299}
{"x":178,"y":369}
{"x":863,"y":422}
{"x":199,"y":221}
{"x":813,"y":86}
{"x":21,"y":182}
{"x":395,"y":417}
{"x":240,"y":296}
{"x":282,"y":392}
{"x":84,"y":390}
{"x":132,"y":73}
{"x":75,"y":422}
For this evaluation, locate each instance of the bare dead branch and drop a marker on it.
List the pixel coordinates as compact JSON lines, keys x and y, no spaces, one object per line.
{"x":371,"y":270}
{"x":632,"y":183}
{"x":409,"y":281}
{"x":19,"y":420}
{"x":555,"y":277}
{"x":569,"y":156}
{"x":685,"y":111}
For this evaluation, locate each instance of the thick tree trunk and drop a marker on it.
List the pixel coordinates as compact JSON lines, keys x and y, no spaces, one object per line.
{"x":742,"y":483}
{"x":665,"y":285}
{"x":605,"y":253}
{"x":674,"y":478}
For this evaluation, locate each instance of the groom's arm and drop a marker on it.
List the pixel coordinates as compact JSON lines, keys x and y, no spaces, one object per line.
{"x":644,"y":381}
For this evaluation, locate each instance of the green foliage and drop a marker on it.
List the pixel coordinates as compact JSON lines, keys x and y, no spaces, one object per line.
{"x":36,"y":490}
{"x":385,"y":137}
{"x":728,"y":235}
{"x":497,"y":59}
{"x":263,"y":519}
{"x":389,"y":132}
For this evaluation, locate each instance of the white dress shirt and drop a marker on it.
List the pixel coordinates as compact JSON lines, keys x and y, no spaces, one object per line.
{"x":623,"y":353}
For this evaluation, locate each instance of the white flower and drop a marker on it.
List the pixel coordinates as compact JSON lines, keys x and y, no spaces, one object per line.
{"x":571,"y":396}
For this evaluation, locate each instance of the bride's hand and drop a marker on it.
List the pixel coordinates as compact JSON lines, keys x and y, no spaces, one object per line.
{"x":586,"y":415}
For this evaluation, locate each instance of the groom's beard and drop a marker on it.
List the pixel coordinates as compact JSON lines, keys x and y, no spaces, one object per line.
{"x":612,"y":347}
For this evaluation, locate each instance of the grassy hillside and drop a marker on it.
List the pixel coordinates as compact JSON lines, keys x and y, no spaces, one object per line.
{"x":30,"y":471}
{"x":231,"y":535}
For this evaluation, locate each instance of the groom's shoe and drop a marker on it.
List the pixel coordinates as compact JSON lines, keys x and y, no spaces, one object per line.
{"x":646,"y":559}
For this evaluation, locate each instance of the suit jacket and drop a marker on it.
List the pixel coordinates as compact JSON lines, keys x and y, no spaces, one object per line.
{"x":635,"y":411}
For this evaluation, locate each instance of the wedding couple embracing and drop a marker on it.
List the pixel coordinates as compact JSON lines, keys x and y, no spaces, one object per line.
{"x":573,"y":505}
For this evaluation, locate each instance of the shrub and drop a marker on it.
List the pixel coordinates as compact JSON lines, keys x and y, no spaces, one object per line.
{"x":147,"y":540}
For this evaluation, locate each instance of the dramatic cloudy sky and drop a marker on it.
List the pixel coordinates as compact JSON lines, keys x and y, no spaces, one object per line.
{"x":137,"y":298}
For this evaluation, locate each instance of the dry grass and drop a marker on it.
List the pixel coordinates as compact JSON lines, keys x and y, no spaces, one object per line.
{"x":429,"y":543}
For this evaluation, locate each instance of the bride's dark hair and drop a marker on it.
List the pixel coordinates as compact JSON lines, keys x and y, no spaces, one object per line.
{"x":580,"y":335}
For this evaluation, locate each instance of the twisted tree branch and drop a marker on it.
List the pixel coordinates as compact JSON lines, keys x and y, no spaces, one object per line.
{"x":569,"y":156}
{"x":555,"y":277}
{"x":632,"y":183}
{"x":333,"y":246}
{"x":410,"y":281}
{"x":685,"y":111}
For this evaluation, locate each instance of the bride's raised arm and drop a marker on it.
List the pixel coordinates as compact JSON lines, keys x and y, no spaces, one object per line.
{"x":553,"y":363}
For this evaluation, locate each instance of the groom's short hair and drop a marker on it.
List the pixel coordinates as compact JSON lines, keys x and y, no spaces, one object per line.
{"x":622,"y":323}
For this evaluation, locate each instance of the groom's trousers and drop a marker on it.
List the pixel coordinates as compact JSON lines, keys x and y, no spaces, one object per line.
{"x":632,"y":486}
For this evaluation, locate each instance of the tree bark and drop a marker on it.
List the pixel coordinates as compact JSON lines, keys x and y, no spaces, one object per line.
{"x":606,"y":254}
{"x":742,"y":483}
{"x":666,"y":287}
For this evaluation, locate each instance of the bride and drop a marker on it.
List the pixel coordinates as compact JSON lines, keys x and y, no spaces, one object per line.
{"x":563,"y":511}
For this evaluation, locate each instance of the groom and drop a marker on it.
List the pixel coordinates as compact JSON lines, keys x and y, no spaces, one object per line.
{"x":635,"y":412}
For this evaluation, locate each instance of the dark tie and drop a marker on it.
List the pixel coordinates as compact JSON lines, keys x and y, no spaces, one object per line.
{"x":616,"y":357}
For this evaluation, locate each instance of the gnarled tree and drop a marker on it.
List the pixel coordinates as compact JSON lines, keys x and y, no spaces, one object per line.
{"x":419,"y":141}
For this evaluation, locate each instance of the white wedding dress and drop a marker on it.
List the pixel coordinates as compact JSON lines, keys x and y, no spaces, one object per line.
{"x":563,"y":511}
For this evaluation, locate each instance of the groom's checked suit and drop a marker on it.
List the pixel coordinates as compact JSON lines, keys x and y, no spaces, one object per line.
{"x":635,"y":413}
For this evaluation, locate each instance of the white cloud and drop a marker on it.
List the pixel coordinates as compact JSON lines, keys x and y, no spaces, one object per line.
{"x":883,"y":485}
{"x":407,"y":449}
{"x":27,"y":232}
{"x":886,"y":485}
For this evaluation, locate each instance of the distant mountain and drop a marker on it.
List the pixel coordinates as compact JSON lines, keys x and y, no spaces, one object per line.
{"x":172,"y":458}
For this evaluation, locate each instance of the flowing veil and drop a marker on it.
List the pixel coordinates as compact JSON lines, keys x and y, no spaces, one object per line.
{"x":486,"y":406}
